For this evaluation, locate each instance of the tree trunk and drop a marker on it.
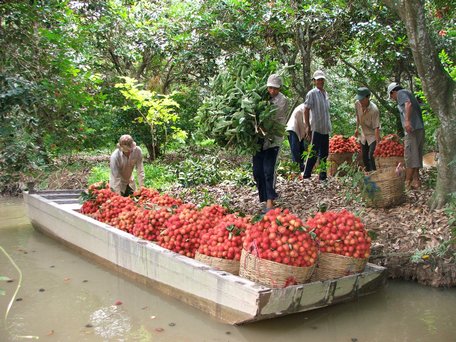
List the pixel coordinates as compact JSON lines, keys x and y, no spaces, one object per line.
{"x":153,"y":151}
{"x":439,"y":89}
{"x":304,"y":41}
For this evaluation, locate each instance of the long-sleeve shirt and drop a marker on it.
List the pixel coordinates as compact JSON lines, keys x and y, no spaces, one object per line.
{"x":281,"y":102}
{"x":122,"y":169}
{"x":296,"y":122}
{"x":369,"y":120}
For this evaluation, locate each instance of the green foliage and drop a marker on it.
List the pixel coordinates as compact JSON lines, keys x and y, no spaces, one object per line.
{"x":98,"y":174}
{"x":206,"y":199}
{"x":432,"y":254}
{"x":45,"y":86}
{"x":241,"y":175}
{"x":157,"y":176}
{"x":60,"y":59}
{"x":355,"y":183}
{"x":287,"y":167}
{"x":196,"y":171}
{"x":237,"y":114}
{"x":188,"y":98}
{"x":154,"y":109}
{"x":448,"y":63}
{"x":342,"y":111}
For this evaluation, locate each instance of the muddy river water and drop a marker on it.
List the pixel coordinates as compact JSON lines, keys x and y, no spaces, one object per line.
{"x":62,"y":296}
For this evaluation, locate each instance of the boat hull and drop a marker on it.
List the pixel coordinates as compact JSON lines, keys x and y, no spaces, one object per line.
{"x":224,"y":296}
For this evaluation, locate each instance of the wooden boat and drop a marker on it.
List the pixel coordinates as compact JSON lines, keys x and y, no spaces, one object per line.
{"x":226,"y":297}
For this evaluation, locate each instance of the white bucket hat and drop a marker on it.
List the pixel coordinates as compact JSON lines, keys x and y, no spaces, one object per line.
{"x":318,"y":74}
{"x":391,"y":87}
{"x":274,"y":81}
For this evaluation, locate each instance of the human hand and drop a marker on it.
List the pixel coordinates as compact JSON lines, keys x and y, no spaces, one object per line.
{"x":308,"y":134}
{"x":408,"y":127}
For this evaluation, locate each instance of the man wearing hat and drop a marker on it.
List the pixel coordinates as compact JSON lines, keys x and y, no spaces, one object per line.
{"x":264,"y":161}
{"x":368,"y":118}
{"x":318,"y":125}
{"x":123,"y":160}
{"x":412,"y":122}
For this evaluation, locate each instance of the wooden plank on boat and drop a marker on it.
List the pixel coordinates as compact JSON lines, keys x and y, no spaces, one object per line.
{"x":227,"y":297}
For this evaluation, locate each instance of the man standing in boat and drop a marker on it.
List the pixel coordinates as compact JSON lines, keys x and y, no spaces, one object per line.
{"x":123,"y":161}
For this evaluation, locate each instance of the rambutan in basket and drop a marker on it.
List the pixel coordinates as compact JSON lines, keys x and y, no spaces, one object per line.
{"x":270,"y":273}
{"x":227,"y":265}
{"x":386,"y":162}
{"x":384,"y":188}
{"x":331,"y":266}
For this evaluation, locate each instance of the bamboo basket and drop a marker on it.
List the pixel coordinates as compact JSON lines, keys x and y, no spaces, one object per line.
{"x":386,"y":162}
{"x":331,"y":266}
{"x":384,"y":188}
{"x":272,"y":274}
{"x":337,"y":159}
{"x":227,"y":265}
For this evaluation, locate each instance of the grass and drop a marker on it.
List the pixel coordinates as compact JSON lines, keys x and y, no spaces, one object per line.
{"x":157,"y":176}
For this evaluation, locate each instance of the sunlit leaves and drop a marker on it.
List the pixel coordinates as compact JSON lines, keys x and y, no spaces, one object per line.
{"x":154,"y":109}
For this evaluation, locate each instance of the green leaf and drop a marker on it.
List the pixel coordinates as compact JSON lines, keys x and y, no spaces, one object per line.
{"x":372,"y":234}
{"x":257,"y":218}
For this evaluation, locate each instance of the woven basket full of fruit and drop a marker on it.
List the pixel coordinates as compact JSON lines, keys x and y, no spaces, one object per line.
{"x":272,"y":274}
{"x":278,"y":250}
{"x":341,"y":149}
{"x":343,"y":242}
{"x":220,"y":247}
{"x":389,"y":152}
{"x":331,"y":266}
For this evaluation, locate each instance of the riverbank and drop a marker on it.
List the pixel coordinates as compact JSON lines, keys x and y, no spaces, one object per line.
{"x":410,"y":239}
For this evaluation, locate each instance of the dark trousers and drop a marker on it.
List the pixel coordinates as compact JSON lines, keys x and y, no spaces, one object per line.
{"x":320,"y":149}
{"x":128,"y":191}
{"x":368,"y":155}
{"x":264,"y":163}
{"x":297,"y":149}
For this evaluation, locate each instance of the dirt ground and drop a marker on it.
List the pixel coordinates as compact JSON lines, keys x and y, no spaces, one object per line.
{"x":400,"y":231}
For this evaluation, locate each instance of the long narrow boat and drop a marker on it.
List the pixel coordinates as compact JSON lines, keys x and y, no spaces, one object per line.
{"x":229,"y":298}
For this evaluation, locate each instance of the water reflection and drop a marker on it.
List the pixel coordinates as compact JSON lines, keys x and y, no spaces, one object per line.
{"x":65,"y":297}
{"x":110,"y":323}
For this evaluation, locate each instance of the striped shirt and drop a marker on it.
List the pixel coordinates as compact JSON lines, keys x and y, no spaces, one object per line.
{"x":318,"y":103}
